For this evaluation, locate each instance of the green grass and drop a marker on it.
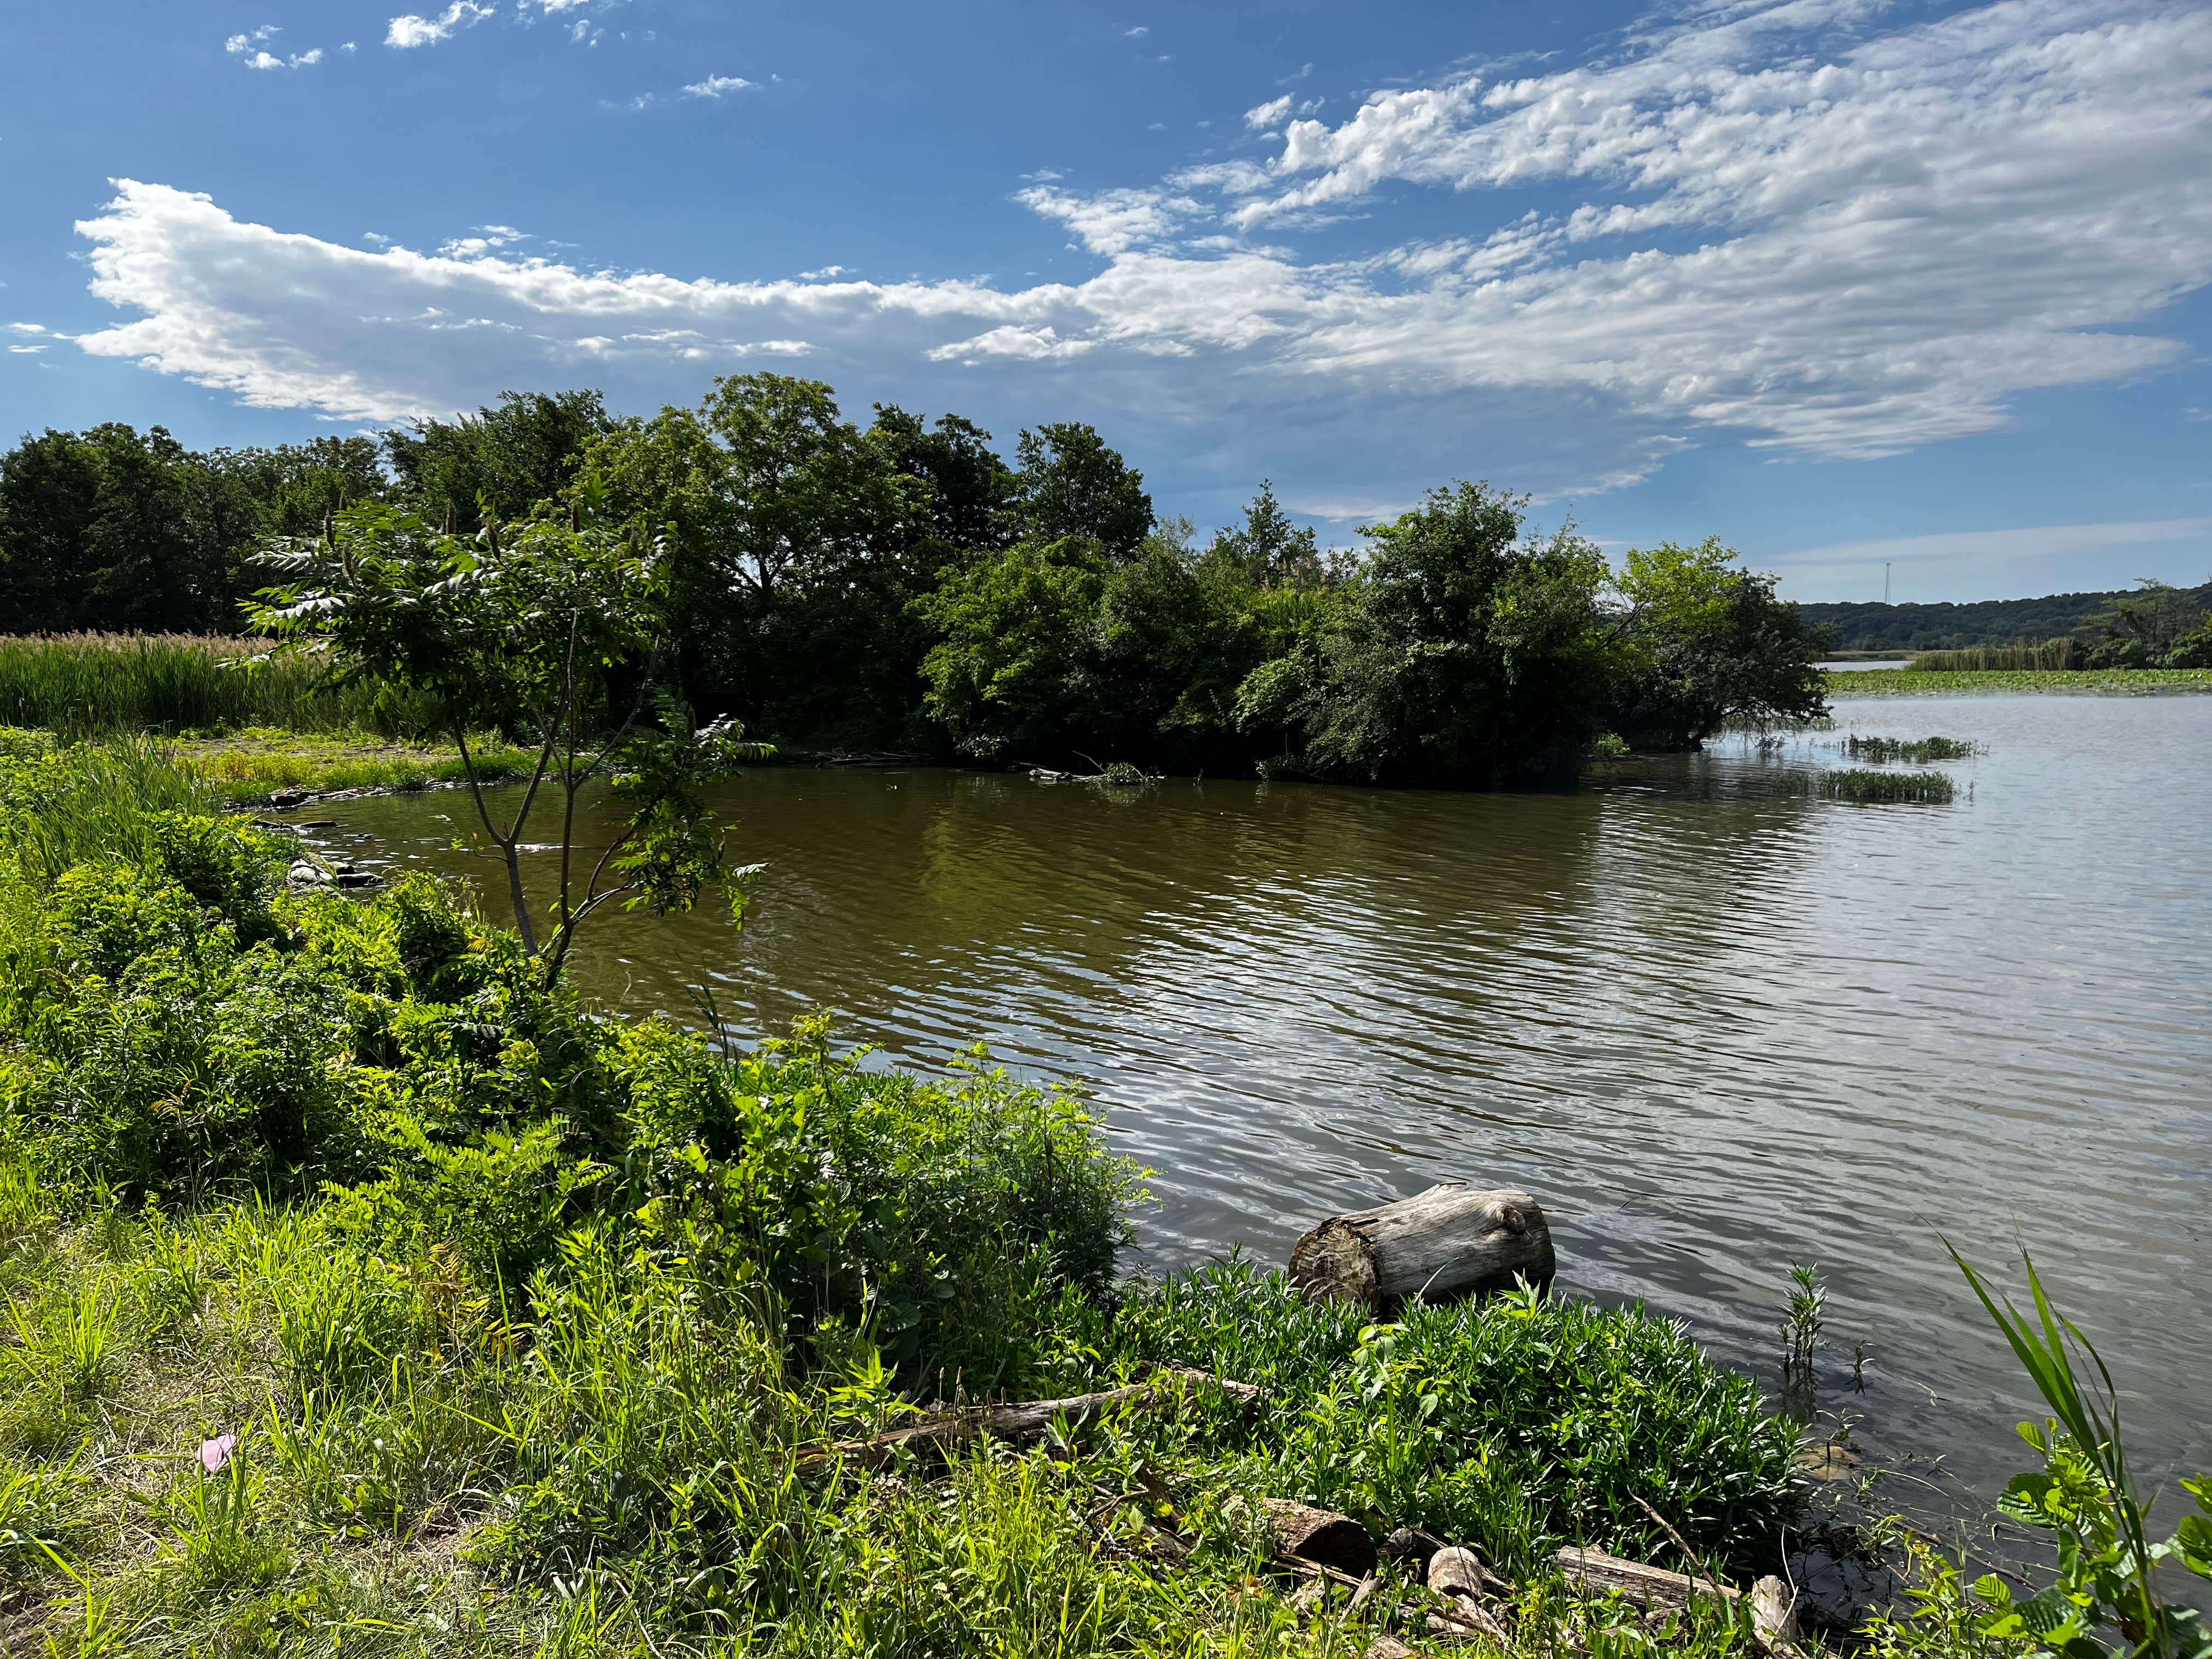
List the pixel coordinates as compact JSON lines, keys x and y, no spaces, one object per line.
{"x":245,"y":768}
{"x":1906,"y":682}
{"x":1918,"y":751}
{"x":2049,"y":654}
{"x":1862,"y":784}
{"x":86,"y":685}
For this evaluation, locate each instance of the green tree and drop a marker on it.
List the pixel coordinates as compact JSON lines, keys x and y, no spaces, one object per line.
{"x":1269,"y":549}
{"x":795,"y":551}
{"x":510,"y":460}
{"x":1072,"y":484}
{"x":1707,"y":642}
{"x":110,"y":529}
{"x":1014,"y":659}
{"x":969,"y":486}
{"x":554,"y":629}
{"x":294,"y":487}
{"x":1464,"y":652}
{"x":2142,"y":629}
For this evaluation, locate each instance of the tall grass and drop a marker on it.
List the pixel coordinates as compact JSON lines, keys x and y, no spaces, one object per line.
{"x":1864,"y":784}
{"x":2059,"y":653}
{"x":83,"y":685}
{"x":1918,"y":751}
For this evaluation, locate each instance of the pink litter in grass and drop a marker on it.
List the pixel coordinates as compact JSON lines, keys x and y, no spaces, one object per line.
{"x":214,"y":1453}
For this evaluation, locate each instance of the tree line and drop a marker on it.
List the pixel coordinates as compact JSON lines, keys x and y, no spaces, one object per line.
{"x":906,"y":585}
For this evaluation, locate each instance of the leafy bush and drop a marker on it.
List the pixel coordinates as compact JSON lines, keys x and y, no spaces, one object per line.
{"x":1519,"y":1423}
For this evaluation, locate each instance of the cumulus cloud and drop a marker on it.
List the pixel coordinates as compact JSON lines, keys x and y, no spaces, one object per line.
{"x":1792,"y":224}
{"x":1022,"y":344}
{"x":1271,"y":114}
{"x":719,"y":86}
{"x":251,"y":49}
{"x":284,"y":320}
{"x":409,"y":31}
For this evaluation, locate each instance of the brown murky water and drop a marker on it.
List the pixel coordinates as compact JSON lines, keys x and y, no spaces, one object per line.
{"x":1714,"y":1029}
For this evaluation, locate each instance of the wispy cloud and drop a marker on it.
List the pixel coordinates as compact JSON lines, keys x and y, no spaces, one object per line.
{"x":1994,"y":546}
{"x":1136,"y":34}
{"x":1273,"y":113}
{"x":485,"y":238}
{"x":410,"y":31}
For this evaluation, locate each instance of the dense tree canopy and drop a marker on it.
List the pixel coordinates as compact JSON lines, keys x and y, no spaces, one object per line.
{"x":902,"y":584}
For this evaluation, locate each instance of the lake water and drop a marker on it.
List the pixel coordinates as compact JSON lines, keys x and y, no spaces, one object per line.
{"x":1714,"y":1029}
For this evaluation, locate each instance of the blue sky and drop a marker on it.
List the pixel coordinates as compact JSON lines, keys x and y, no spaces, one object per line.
{"x":1843,"y":282}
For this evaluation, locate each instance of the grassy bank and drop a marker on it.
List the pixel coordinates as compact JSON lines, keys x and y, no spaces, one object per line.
{"x":245,"y":768}
{"x":364,"y":1293}
{"x":1906,"y":682}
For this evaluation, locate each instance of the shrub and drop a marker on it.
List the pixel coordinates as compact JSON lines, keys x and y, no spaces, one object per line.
{"x":1519,"y":1423}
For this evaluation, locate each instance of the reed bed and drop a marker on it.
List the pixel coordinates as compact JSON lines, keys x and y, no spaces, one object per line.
{"x":2056,"y":654}
{"x":88,"y":685}
{"x":2111,"y":682}
{"x":1859,"y":783}
{"x":1918,"y":751}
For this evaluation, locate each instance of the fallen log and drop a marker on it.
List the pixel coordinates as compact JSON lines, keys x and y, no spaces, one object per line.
{"x":1389,"y":1647}
{"x":1448,"y":1242}
{"x":1654,"y":1589}
{"x":1459,"y":1577}
{"x":1404,"y":1613}
{"x":1023,"y":1421}
{"x":1459,"y":1571}
{"x":1774,"y":1614}
{"x":1321,"y":1536}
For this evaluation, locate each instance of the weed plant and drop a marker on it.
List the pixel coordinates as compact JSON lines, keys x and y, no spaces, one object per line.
{"x":1907,"y":682}
{"x":1918,"y":750}
{"x":85,"y":685}
{"x":1864,"y":785}
{"x":2059,"y":654}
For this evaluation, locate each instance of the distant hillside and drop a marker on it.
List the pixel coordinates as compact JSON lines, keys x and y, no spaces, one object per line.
{"x":1985,"y":622}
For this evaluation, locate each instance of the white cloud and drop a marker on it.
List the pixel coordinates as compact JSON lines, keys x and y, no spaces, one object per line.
{"x":26,"y":350}
{"x":1774,"y":223}
{"x":719,"y":86}
{"x":1268,"y":115}
{"x":240,"y":44}
{"x":412,"y":31}
{"x":27,"y":328}
{"x":1136,"y":34}
{"x":1022,"y":344}
{"x":283,"y":320}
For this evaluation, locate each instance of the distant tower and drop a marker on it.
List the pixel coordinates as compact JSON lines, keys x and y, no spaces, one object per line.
{"x":1885,"y":581}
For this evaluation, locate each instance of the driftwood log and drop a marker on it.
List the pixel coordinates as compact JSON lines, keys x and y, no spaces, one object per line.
{"x":1459,"y":1577}
{"x":1027,"y":1420}
{"x":1447,"y":1241}
{"x":1774,"y":1614}
{"x":1655,"y":1590}
{"x":1321,"y":1536}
